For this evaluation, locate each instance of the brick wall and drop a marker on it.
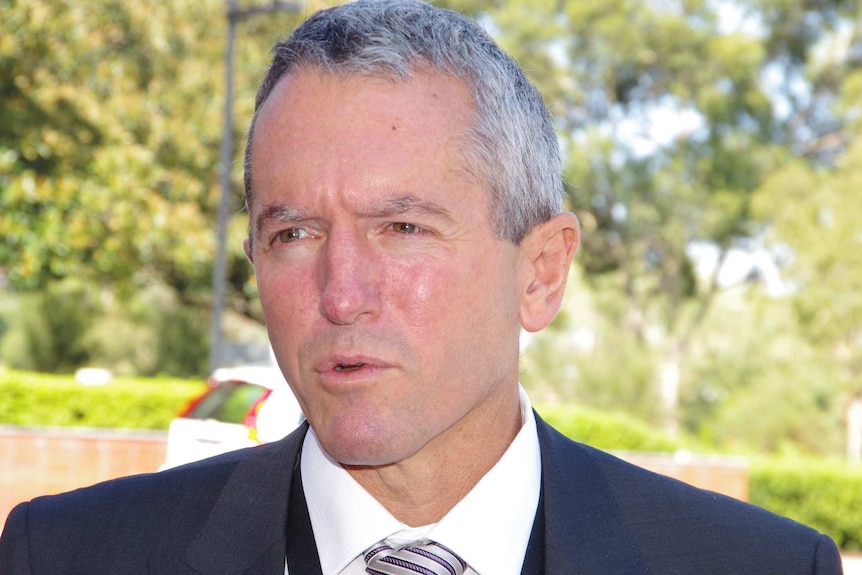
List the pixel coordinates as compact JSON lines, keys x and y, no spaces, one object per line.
{"x":722,"y":474}
{"x":37,"y":462}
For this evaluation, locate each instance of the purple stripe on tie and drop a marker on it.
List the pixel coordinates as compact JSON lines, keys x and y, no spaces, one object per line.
{"x":450,"y":552}
{"x":407,"y":565}
{"x":375,"y":551}
{"x":435,"y":558}
{"x":427,"y":558}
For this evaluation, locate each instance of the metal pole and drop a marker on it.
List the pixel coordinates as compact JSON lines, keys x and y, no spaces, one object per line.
{"x":234,"y":15}
{"x":220,"y":270}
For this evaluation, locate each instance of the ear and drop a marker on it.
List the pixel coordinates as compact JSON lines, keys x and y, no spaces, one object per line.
{"x":246,"y":246}
{"x":546,"y":255}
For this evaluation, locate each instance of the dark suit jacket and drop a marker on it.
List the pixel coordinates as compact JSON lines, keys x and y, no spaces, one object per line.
{"x":226,"y":516}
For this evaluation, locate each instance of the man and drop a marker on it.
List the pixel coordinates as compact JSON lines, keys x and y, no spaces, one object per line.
{"x":404,"y":193}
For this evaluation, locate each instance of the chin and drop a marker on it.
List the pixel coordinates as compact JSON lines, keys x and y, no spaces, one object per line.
{"x":361,"y":461}
{"x":360,"y":450}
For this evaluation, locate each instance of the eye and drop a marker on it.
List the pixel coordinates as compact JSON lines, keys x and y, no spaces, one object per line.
{"x":290,"y":235}
{"x":405,"y":228}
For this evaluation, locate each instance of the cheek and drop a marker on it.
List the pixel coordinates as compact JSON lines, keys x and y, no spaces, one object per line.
{"x":425,"y":293}
{"x":286,"y":298}
{"x":440,"y":301}
{"x":283,"y":281}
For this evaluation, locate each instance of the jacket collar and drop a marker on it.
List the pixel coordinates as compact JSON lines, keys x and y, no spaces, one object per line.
{"x":245,"y":531}
{"x":584,"y":529}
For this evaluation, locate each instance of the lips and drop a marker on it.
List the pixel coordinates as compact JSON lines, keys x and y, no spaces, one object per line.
{"x":350,"y":373}
{"x":347,"y":364}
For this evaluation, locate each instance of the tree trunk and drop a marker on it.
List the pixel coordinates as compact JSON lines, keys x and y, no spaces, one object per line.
{"x":854,"y":430}
{"x":669,"y":382}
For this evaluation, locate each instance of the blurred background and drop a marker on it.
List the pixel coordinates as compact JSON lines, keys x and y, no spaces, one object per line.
{"x":711,"y":154}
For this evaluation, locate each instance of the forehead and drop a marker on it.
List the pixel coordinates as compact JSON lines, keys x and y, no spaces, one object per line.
{"x":327,"y":131}
{"x":308,"y":97}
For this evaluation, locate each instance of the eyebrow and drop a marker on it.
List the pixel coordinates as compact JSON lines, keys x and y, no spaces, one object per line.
{"x":278,"y":213}
{"x":393,"y":206}
{"x":407,"y":204}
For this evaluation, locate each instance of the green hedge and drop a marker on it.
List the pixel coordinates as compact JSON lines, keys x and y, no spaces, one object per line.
{"x":605,"y":430}
{"x":33,"y":399}
{"x":128,"y":403}
{"x":824,"y":495}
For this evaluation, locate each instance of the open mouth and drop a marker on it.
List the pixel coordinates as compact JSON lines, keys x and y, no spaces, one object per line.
{"x":348,"y":367}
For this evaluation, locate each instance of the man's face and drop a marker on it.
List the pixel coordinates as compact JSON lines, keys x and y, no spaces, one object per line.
{"x":391,"y":306}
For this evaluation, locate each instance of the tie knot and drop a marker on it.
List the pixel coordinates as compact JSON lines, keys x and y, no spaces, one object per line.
{"x":426,"y":558}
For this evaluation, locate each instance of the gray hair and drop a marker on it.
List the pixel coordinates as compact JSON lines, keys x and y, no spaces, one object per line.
{"x":512,"y":145}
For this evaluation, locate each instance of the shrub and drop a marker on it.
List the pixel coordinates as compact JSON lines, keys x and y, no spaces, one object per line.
{"x":605,"y":430}
{"x":49,"y":329}
{"x":49,"y":400}
{"x":824,"y":495}
{"x":160,"y":335}
{"x":73,"y":324}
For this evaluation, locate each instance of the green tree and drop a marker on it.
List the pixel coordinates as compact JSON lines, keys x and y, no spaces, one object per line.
{"x":813,"y":204}
{"x":100,"y":171}
{"x":109,"y":141}
{"x":109,"y":148}
{"x":818,"y":213}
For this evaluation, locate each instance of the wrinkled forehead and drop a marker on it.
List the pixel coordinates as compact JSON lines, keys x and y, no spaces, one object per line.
{"x":315,"y":117}
{"x":290,"y":101}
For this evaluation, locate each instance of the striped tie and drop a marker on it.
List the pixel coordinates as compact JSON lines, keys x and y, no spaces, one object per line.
{"x":426,"y":558}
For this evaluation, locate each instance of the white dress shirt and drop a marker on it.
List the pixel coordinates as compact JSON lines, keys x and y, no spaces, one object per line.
{"x":489,"y":528}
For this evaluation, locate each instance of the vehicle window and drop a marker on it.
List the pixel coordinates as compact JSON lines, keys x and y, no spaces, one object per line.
{"x":230,"y":402}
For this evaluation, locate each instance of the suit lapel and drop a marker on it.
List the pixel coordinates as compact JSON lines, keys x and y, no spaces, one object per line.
{"x":534,"y":559}
{"x":245,"y":531}
{"x":302,"y":555}
{"x":584,"y":531}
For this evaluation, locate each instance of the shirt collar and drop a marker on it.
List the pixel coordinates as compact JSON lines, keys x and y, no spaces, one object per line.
{"x":489,"y":528}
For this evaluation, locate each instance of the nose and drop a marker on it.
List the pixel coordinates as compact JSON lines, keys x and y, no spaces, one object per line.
{"x":350,"y":279}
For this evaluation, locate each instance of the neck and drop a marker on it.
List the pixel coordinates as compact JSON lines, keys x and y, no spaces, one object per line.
{"x":423,"y":488}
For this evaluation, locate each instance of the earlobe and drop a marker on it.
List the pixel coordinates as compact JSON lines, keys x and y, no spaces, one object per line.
{"x":547,"y":255}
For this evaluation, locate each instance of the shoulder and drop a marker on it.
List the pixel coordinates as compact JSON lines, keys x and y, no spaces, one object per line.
{"x":138,"y":496}
{"x":88,"y":521}
{"x":662,"y":516}
{"x":150,"y":492}
{"x":630,"y":485}
{"x":127,"y":519}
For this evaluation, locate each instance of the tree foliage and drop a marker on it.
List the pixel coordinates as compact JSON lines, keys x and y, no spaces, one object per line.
{"x":818,"y":214}
{"x":109,"y":140}
{"x":101,"y":173}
